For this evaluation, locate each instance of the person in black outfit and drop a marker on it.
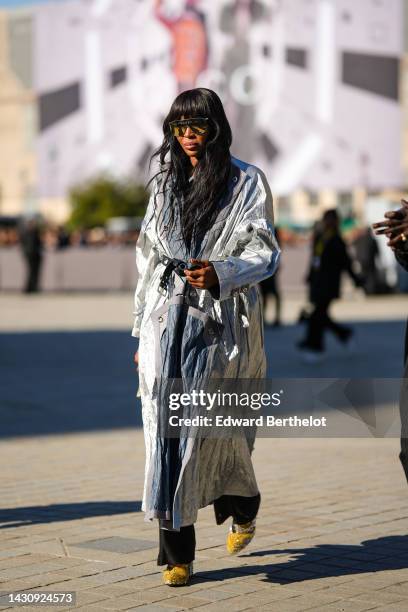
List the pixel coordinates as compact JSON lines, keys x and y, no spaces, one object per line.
{"x":329,"y":259}
{"x":396,"y":229}
{"x":32,"y":247}
{"x":367,"y":253}
{"x":271,"y":286}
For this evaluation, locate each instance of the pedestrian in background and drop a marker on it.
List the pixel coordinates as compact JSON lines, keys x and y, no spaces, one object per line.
{"x":32,"y":248}
{"x":270,"y":286}
{"x":328,"y":261}
{"x":367,"y":254}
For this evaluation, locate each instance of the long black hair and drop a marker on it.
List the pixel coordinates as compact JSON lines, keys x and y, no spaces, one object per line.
{"x":197,"y":199}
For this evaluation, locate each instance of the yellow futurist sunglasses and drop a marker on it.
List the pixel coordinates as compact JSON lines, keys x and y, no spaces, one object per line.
{"x":198,"y":125}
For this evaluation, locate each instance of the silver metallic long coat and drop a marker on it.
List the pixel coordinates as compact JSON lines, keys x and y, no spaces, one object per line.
{"x":200,"y":334}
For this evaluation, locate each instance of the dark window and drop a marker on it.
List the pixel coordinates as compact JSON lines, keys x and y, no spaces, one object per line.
{"x":58,"y":104}
{"x":346,"y":17}
{"x":296,"y":57}
{"x":117,"y":76}
{"x":374,"y":73}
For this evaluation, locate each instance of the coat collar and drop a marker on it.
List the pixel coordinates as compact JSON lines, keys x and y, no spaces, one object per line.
{"x":237,"y":178}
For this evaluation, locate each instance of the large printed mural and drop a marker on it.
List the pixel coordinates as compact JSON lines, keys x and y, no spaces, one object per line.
{"x":310,"y":87}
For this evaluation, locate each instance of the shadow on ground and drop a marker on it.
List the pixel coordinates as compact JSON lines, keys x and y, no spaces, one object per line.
{"x":66,"y":382}
{"x":61,"y":382}
{"x":373,"y":341}
{"x":52,"y":513}
{"x":322,"y":561}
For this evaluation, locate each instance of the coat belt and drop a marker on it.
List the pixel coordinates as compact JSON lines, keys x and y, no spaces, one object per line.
{"x":172,"y":265}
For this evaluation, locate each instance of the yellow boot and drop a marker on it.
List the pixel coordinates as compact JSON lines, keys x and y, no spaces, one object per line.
{"x":178,"y":575}
{"x":240,"y":536}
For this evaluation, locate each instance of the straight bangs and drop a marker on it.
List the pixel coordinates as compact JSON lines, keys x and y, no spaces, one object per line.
{"x":188,"y":107}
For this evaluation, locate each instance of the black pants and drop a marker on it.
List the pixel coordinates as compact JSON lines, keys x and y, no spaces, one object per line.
{"x":33,"y":266}
{"x":320,"y":320}
{"x":177,"y":547}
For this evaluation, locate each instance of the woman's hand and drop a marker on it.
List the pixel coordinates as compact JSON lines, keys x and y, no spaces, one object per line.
{"x":395,"y":227}
{"x":136,"y":359}
{"x":205,"y":277}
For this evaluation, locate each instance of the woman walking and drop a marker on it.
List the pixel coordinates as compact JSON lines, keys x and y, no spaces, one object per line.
{"x":206,"y":241}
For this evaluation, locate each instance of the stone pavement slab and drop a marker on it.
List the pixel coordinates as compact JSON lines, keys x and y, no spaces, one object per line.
{"x":333,"y":524}
{"x":332,"y":529}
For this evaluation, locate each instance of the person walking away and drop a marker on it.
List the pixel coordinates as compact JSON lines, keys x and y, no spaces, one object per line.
{"x":32,"y":248}
{"x":329,"y":260}
{"x":271,"y":286}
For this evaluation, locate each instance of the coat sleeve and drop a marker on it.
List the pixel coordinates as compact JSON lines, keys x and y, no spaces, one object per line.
{"x":255,"y":252}
{"x":146,"y":261}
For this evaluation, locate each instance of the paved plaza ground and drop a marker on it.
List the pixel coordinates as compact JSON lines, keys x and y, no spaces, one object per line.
{"x":332,"y":532}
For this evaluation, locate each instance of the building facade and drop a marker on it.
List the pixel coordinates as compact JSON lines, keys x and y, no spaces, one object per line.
{"x":18,"y":133}
{"x":315,"y":91}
